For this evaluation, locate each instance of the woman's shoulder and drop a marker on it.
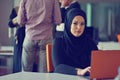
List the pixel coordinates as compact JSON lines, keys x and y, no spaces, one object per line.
{"x":58,"y":43}
{"x":91,"y":43}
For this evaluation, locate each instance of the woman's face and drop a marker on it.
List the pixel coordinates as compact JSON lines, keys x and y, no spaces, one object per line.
{"x":77,"y":26}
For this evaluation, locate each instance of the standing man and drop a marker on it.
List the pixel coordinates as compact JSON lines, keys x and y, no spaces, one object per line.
{"x":39,"y":16}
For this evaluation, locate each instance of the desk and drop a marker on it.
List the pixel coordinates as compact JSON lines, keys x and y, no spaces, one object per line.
{"x":108,"y":45}
{"x":6,"y":51}
{"x":40,"y":76}
{"x":6,"y":59}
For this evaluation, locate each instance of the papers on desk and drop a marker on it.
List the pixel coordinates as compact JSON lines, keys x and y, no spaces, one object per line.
{"x":40,"y":76}
{"x":6,"y":50}
{"x":109,"y":45}
{"x":60,"y":27}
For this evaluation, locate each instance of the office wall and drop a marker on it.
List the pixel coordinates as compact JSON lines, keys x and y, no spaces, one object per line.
{"x":105,"y":16}
{"x":5,"y":8}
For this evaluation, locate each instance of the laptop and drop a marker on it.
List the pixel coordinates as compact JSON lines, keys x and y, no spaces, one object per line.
{"x":105,"y":64}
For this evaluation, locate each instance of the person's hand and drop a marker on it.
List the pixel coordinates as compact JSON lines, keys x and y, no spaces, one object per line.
{"x":82,"y":72}
{"x":14,"y":20}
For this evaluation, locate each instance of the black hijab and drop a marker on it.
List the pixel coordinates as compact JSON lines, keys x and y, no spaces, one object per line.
{"x":76,"y":47}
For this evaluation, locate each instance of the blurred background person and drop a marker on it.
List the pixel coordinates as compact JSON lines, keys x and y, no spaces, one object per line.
{"x":65,"y":6}
{"x":18,"y":40}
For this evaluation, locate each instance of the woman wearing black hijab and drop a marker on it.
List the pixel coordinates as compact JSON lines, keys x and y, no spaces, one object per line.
{"x":72,"y":52}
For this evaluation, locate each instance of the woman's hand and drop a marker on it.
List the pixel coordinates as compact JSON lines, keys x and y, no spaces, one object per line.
{"x":82,"y":72}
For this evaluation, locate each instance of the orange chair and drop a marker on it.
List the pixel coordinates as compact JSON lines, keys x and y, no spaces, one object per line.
{"x":50,"y":67}
{"x":118,"y":37}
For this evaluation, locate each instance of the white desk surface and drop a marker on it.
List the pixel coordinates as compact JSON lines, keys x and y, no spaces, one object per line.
{"x":40,"y":76}
{"x":6,"y":47}
{"x":109,"y":45}
{"x":6,"y":51}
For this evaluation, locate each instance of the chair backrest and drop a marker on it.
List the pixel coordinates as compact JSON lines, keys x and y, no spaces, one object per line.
{"x":50,"y":67}
{"x":118,"y":37}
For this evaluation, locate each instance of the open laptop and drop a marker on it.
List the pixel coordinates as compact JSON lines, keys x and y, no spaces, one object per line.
{"x":105,"y":64}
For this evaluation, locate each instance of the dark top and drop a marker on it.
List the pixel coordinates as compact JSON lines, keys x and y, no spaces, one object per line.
{"x":65,"y":63}
{"x":70,"y":52}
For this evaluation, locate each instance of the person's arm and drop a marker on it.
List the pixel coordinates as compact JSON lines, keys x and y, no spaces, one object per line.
{"x":59,"y":59}
{"x":56,"y":13}
{"x":65,"y":69}
{"x":21,"y":19}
